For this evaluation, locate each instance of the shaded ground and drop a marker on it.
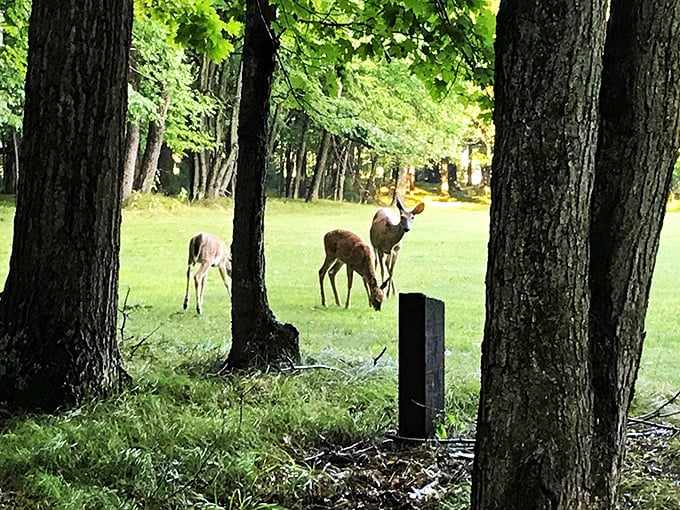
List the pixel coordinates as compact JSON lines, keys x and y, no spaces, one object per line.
{"x":394,"y":475}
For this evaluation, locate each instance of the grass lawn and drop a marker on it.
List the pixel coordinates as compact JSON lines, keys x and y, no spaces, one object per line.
{"x":180,"y":438}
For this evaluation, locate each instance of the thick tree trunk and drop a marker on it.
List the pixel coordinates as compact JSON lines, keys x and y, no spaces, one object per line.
{"x":132,"y":138}
{"x":534,"y":425}
{"x":58,"y":310}
{"x":319,"y":167}
{"x":639,"y":107}
{"x":152,"y":149}
{"x":258,"y":339}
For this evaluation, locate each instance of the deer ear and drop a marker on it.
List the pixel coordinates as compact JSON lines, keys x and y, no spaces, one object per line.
{"x":419,"y":208}
{"x":400,"y":204}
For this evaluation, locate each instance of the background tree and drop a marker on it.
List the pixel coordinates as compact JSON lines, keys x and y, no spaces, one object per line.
{"x":569,"y":272}
{"x":58,"y":309}
{"x":13,"y":48}
{"x":636,"y":152}
{"x":258,"y":339}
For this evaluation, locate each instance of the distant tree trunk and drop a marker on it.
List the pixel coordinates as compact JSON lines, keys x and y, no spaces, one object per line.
{"x":58,"y":338}
{"x":469,"y":165}
{"x":319,"y":167}
{"x":258,"y":339}
{"x":301,"y":160}
{"x":152,"y":149}
{"x":214,"y":167}
{"x":11,"y":163}
{"x":343,"y":159}
{"x":401,"y":183}
{"x":444,"y":178}
{"x":289,"y":160}
{"x":534,"y":425}
{"x":639,"y":107}
{"x":166,"y":165}
{"x":132,"y":138}
{"x":227,"y":172}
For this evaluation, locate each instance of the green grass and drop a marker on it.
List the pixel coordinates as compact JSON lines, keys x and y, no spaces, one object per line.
{"x":182,"y":438}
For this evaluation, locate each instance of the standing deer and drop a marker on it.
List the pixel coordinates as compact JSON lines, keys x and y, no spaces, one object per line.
{"x":345,"y":247}
{"x":208,"y":250}
{"x":387,"y":231}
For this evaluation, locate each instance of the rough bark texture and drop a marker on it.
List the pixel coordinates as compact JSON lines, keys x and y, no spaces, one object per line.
{"x":258,"y":339}
{"x":639,"y":107}
{"x":58,"y":309}
{"x":533,"y":433}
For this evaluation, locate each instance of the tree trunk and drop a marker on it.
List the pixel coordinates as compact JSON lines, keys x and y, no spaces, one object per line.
{"x":152,"y":149}
{"x":58,"y":310}
{"x":214,"y":167}
{"x":319,"y":167}
{"x":227,"y":172}
{"x":301,"y":160}
{"x":11,"y":163}
{"x":131,"y":151}
{"x":258,"y":339}
{"x":639,"y":105}
{"x":534,"y":425}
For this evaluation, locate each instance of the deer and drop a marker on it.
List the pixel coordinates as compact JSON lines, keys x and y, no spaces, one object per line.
{"x":343,"y":247}
{"x":209,"y":251}
{"x":387,"y":231}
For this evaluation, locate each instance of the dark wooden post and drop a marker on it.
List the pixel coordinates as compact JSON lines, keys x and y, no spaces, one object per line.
{"x":421,"y":364}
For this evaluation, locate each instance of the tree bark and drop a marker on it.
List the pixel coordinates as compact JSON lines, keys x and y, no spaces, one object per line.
{"x":258,"y":339}
{"x":534,"y":424}
{"x":319,"y":167}
{"x":639,"y":109}
{"x":132,"y":138}
{"x":152,"y":149}
{"x":58,"y":309}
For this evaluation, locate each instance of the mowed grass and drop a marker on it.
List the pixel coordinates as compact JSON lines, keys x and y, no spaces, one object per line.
{"x":443,"y":257}
{"x":179,"y":437}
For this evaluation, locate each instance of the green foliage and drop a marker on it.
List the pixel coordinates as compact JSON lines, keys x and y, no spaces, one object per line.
{"x":160,"y":69}
{"x":197,"y":24}
{"x":13,"y":60}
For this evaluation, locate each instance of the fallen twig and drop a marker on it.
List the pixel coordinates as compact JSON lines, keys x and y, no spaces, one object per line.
{"x":657,"y":411}
{"x":141,"y":342}
{"x":375,"y":360}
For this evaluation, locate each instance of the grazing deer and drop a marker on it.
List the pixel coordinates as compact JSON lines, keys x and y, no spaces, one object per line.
{"x":208,"y":250}
{"x":387,"y":230}
{"x":345,"y":247}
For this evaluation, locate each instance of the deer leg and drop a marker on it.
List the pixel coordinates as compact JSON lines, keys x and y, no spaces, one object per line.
{"x":322,"y":273}
{"x":186,"y":294}
{"x":331,"y":276}
{"x":199,"y":279}
{"x":224,"y":272}
{"x":383,"y":259}
{"x":368,"y":292}
{"x":350,"y":275}
{"x":391,"y":262}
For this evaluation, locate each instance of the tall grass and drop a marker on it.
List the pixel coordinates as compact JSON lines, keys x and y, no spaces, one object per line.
{"x":181,"y":437}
